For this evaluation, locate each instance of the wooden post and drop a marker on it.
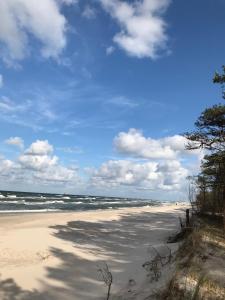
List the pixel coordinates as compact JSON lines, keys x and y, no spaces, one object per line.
{"x":187,"y":218}
{"x":224,"y":220}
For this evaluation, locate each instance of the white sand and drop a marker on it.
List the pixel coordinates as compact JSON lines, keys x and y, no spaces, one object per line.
{"x":56,"y":255}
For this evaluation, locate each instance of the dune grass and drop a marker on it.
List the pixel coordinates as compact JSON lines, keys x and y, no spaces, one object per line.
{"x":200,"y":271}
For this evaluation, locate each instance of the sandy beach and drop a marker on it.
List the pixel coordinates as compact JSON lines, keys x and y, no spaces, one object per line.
{"x":57,"y":255}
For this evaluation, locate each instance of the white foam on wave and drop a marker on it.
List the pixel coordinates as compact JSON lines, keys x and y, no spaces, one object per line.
{"x":28,"y":211}
{"x":55,"y":201}
{"x":45,"y":202}
{"x":13,"y":202}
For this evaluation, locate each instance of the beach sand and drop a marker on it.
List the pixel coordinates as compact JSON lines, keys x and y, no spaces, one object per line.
{"x":57,"y":255}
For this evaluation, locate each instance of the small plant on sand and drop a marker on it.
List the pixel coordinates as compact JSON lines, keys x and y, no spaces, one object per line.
{"x":153,"y":266}
{"x":106,"y":277}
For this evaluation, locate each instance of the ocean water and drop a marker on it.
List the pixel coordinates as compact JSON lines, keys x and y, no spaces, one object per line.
{"x":11,"y":202}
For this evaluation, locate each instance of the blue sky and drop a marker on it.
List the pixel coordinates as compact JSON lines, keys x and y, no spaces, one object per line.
{"x":95,"y":94}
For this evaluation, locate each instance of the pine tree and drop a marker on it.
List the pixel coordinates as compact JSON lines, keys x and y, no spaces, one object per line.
{"x":209,"y":134}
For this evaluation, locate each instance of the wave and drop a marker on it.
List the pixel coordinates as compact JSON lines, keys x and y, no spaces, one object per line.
{"x":28,"y":211}
{"x":38,"y":202}
{"x":44,"y":203}
{"x":75,"y":202}
{"x":12,"y":202}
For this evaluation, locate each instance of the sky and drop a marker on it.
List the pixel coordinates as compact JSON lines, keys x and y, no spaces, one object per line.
{"x":96,"y":94}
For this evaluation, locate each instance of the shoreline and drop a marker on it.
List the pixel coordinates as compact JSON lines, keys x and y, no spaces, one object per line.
{"x":57,"y":253}
{"x":52,"y":211}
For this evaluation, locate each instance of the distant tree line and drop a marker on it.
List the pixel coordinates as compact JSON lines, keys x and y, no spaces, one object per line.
{"x":209,"y":134}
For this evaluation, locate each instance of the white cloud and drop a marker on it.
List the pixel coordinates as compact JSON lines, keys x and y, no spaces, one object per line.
{"x":45,"y":111}
{"x":40,"y":148}
{"x":122,"y":101}
{"x":142,"y":28}
{"x":8,"y":171}
{"x":164,"y":169}
{"x":38,"y":166}
{"x":168,"y":175}
{"x":135,"y":144}
{"x":89,"y":12}
{"x":38,"y":156}
{"x":172,"y":174}
{"x":42,"y":20}
{"x":57,"y":174}
{"x":37,"y":162}
{"x":1,"y":81}
{"x":67,"y":2}
{"x":71,"y":150}
{"x":36,"y":113}
{"x":15,"y":141}
{"x":6,"y":166}
{"x":9,"y":106}
{"x":110,"y":50}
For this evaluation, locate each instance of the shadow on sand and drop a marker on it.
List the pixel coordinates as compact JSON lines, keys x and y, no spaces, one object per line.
{"x":119,"y":242}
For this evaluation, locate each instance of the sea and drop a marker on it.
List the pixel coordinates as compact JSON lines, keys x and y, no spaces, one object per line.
{"x":17,"y":202}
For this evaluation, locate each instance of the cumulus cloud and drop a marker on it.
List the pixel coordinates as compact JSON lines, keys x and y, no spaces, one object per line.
{"x":42,"y":20}
{"x":15,"y":141}
{"x":39,"y":148}
{"x":168,"y":175}
{"x":135,"y":144}
{"x":8,"y":171}
{"x":142,"y":28}
{"x":37,"y":165}
{"x":6,"y":166}
{"x":37,"y":162}
{"x":172,"y":174}
{"x":38,"y":156}
{"x":57,"y":174}
{"x":162,"y":170}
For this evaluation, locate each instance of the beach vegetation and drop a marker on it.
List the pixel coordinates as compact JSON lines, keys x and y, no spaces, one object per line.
{"x":209,"y":135}
{"x":200,"y":265}
{"x":200,"y":259}
{"x":106,"y":277}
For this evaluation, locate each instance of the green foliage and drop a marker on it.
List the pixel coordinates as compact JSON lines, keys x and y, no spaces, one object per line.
{"x":220,"y":79}
{"x":210,"y":135}
{"x":210,"y":130}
